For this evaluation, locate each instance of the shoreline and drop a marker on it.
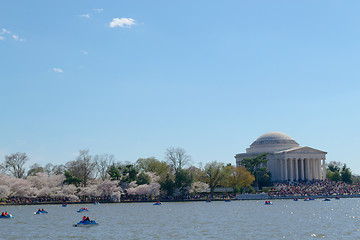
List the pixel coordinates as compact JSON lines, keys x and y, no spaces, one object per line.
{"x":250,"y":197}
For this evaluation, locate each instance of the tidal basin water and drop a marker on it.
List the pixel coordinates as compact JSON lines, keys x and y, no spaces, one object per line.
{"x":284,"y":219}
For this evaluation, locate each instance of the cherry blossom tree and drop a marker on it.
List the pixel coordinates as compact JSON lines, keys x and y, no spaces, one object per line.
{"x":199,"y":187}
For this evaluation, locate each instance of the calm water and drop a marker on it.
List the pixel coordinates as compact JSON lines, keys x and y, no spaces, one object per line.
{"x":338,"y":219}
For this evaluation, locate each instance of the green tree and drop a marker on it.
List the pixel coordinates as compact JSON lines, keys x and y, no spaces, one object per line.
{"x":143,"y":178}
{"x":69,"y":179}
{"x":213,"y":174}
{"x":168,"y":185}
{"x":151,"y":164}
{"x":257,"y":167}
{"x":346,"y":174}
{"x":183,"y":180}
{"x":334,"y":166}
{"x":114,"y":172}
{"x":240,"y":178}
{"x":333,"y":176}
{"x":129,"y":173}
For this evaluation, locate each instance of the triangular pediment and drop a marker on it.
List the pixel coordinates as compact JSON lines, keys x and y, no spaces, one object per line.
{"x":303,"y":150}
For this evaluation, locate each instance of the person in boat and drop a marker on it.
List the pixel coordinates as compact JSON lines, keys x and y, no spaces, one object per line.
{"x":84,"y":218}
{"x":6,"y":214}
{"x":2,"y":214}
{"x":87,"y":219}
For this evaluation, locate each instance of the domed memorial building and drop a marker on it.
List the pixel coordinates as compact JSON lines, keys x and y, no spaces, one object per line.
{"x":287,"y":160}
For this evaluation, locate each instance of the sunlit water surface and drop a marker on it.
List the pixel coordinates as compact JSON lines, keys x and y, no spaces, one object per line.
{"x":285,"y":219}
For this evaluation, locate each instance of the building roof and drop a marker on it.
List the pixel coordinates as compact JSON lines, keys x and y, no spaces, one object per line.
{"x":274,"y":138}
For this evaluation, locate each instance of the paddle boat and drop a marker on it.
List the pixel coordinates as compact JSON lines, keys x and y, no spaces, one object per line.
{"x":157,"y":203}
{"x":208,"y":200}
{"x":268,"y":203}
{"x":311,"y":198}
{"x":82,"y":210}
{"x":327,"y":200}
{"x":337,"y":198}
{"x":227,"y":200}
{"x":40,"y":211}
{"x":295,"y":199}
{"x":64,"y":205}
{"x":96,"y":203}
{"x":6,"y":215}
{"x":86,"y":223}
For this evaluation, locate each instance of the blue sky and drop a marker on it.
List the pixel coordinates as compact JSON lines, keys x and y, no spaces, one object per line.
{"x":132,"y":78}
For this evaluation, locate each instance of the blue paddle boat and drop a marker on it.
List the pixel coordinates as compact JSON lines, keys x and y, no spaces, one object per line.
{"x":268,"y":203}
{"x":295,"y":199}
{"x":157,"y":203}
{"x":327,"y":200}
{"x":86,"y":223}
{"x":6,"y":215}
{"x":40,"y":212}
{"x":64,"y":205}
{"x":227,"y":200}
{"x":82,"y":210}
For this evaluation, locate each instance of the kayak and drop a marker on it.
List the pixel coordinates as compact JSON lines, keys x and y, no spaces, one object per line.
{"x":82,"y":210}
{"x":7,"y":216}
{"x":40,"y":212}
{"x":86,"y":224}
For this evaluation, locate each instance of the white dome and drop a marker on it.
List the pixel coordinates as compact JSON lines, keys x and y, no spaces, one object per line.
{"x":272,"y":141}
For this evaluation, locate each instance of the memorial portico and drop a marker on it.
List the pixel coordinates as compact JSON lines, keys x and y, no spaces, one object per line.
{"x":286,"y":159}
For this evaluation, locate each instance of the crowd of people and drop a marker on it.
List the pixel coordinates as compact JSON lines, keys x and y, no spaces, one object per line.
{"x":313,"y":188}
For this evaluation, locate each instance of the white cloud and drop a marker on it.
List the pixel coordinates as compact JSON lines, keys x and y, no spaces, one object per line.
{"x":5,"y":31}
{"x":59,"y":70}
{"x":122,"y":22}
{"x":98,"y":9}
{"x":85,"y":15}
{"x":12,"y":35}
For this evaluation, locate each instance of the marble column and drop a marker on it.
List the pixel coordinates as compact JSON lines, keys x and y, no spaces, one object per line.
{"x":307,"y":169}
{"x":302,"y":168}
{"x":285,"y":166}
{"x":324,"y":169}
{"x":312,"y":171}
{"x":296,"y":169}
{"x":291,"y":169}
{"x":319,"y":168}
